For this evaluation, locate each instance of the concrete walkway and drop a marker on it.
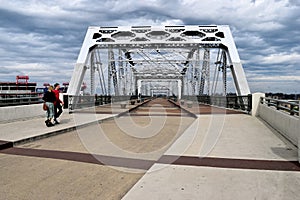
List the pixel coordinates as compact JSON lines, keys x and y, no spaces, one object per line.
{"x":22,"y":130}
{"x":19,"y":131}
{"x":80,"y":165}
{"x":223,"y":157}
{"x":217,"y":156}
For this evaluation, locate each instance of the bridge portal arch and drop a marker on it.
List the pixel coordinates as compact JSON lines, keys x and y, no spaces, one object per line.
{"x":187,"y":59}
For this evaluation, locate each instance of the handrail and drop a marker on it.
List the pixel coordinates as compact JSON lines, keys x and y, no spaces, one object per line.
{"x":289,"y":106}
{"x":234,"y":102}
{"x":84,"y":101}
{"x":21,"y":94}
{"x":13,"y":99}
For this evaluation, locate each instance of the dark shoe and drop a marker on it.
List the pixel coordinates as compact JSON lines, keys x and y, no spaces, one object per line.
{"x":56,"y":122}
{"x":48,"y":123}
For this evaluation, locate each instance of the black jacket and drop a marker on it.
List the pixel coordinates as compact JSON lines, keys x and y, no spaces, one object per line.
{"x":49,"y":97}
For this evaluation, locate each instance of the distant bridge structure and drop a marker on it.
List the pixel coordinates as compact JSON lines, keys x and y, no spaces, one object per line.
{"x":143,"y":60}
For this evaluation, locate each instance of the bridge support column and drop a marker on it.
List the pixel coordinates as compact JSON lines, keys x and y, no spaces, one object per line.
{"x":139,"y":86}
{"x":179,"y":82}
{"x":77,"y":78}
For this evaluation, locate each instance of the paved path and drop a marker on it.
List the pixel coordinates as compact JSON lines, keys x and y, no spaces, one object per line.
{"x":22,"y":130}
{"x":231,"y":157}
{"x":62,"y":167}
{"x":216,"y":156}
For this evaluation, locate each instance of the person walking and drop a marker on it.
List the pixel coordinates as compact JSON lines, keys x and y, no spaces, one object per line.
{"x":49,"y":99}
{"x":57,"y":104}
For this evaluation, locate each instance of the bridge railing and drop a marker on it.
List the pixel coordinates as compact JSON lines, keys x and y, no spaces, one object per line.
{"x":234,"y":102}
{"x":85,"y":101}
{"x":14,"y":99}
{"x":288,"y":106}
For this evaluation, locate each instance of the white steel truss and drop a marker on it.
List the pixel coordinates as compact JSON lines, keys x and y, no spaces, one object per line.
{"x":129,"y":60}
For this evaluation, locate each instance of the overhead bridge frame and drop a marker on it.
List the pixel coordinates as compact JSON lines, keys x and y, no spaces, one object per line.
{"x":129,"y":39}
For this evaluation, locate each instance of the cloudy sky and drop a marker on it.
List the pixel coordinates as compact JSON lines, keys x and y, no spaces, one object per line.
{"x":42,"y":38}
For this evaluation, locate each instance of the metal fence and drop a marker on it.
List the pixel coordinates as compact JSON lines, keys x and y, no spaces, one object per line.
{"x":234,"y":102}
{"x":14,"y":99}
{"x":84,"y":101}
{"x":288,"y":106}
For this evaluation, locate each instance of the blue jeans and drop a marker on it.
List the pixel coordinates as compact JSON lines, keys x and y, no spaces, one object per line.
{"x":50,"y":110}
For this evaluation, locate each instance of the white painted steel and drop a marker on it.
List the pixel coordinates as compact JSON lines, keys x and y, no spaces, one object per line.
{"x":137,"y":38}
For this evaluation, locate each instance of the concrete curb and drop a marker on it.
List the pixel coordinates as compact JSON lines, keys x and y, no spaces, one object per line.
{"x":132,"y":109}
{"x":7,"y":144}
{"x":185,"y":110}
{"x":58,"y":132}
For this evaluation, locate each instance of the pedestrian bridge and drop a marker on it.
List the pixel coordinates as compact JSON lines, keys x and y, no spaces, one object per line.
{"x":149,"y":114}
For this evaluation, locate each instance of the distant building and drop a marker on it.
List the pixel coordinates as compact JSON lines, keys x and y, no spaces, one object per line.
{"x":19,"y":92}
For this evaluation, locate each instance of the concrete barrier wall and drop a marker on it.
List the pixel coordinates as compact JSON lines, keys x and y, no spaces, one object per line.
{"x":287,"y":125}
{"x":13,"y":113}
{"x":256,"y":102}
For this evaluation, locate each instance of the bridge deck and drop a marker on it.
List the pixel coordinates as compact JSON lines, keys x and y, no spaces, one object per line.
{"x":241,"y":158}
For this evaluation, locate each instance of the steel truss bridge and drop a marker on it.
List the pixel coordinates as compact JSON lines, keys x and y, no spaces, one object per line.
{"x":151,"y":60}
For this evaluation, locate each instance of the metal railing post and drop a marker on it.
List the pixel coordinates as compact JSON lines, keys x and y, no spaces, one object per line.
{"x":262,"y":100}
{"x":249,"y":106}
{"x":292,"y":109}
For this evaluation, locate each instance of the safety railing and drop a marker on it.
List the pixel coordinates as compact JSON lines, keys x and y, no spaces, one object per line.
{"x":84,"y":101}
{"x":234,"y":102}
{"x":14,"y":99}
{"x":288,"y":106}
